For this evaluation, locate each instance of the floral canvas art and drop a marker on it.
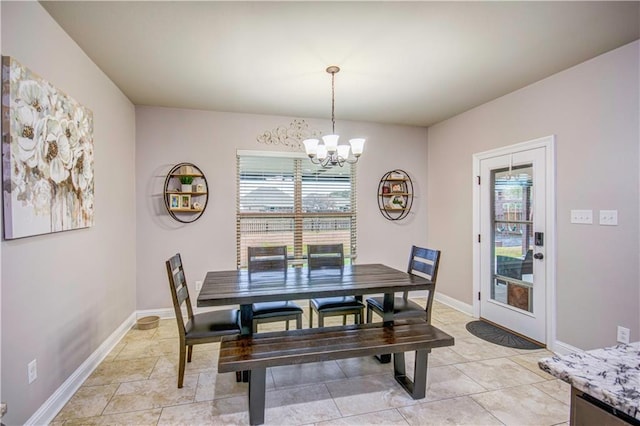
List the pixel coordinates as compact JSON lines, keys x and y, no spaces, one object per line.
{"x":47,"y":156}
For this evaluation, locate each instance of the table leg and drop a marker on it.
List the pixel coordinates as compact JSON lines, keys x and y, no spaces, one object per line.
{"x":246,"y":329}
{"x":246,"y":320}
{"x":387,"y":306}
{"x":387,"y":319}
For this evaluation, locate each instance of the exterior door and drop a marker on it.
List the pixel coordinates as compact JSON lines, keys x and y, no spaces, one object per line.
{"x":512,"y":242}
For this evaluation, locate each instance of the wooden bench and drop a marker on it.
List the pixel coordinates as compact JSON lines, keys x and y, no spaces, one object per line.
{"x":257,"y":352}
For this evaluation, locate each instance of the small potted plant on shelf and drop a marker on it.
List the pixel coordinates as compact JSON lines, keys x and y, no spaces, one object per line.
{"x":396,"y":202}
{"x":186,"y":182}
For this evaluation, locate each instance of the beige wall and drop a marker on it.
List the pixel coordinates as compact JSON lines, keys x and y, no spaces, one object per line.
{"x":63,"y":294}
{"x":166,"y":136}
{"x":593,"y":110}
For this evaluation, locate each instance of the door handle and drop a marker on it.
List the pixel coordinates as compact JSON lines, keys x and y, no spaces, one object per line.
{"x":538,"y":256}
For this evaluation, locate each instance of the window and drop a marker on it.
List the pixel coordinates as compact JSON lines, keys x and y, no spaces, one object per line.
{"x":287,"y":200}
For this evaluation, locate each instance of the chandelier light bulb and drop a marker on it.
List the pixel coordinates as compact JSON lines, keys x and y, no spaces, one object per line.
{"x":343,"y":151}
{"x":331,"y":142}
{"x":322,"y":152}
{"x":311,"y":147}
{"x":357,"y":146}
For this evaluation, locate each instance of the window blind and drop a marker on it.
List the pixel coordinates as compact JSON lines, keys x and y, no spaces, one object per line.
{"x":291,"y":201}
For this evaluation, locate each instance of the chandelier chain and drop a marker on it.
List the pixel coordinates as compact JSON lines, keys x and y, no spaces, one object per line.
{"x":333,"y":102}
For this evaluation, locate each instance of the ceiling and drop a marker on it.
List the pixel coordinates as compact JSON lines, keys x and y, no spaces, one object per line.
{"x":412,"y":63}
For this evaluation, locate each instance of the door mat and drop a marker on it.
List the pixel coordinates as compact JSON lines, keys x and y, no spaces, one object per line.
{"x":497,"y":335}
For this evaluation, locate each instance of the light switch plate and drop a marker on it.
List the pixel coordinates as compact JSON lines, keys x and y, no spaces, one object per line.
{"x":582,"y":216}
{"x":609,"y":217}
{"x":623,"y":335}
{"x":32,"y":370}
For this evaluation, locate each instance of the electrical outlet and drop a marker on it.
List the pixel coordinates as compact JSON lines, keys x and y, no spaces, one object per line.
{"x":582,"y":216}
{"x":32,"y":369}
{"x":623,"y":335}
{"x":609,"y":217}
{"x":198,"y":285}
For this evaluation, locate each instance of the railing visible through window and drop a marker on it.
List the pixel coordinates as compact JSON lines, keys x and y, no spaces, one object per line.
{"x":284,"y":199}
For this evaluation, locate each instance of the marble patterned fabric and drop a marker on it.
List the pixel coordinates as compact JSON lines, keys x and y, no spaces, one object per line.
{"x":611,"y":375}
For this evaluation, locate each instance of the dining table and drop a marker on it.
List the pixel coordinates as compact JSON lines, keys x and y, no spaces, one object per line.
{"x":237,"y":287}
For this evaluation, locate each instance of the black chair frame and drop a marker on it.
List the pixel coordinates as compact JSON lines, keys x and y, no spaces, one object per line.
{"x":424,"y":262}
{"x":271,"y":259}
{"x":196,"y":329}
{"x":331,"y":256}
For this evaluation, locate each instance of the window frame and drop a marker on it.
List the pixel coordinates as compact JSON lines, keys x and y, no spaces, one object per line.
{"x":298,"y":258}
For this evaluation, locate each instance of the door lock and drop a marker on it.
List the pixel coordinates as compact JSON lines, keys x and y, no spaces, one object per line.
{"x":538,"y":256}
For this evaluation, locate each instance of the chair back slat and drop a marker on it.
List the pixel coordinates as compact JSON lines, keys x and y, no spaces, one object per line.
{"x":424,"y":262}
{"x":272,"y":258}
{"x":182,"y":295}
{"x":179,"y":293}
{"x":321,"y":256}
{"x":179,"y":279}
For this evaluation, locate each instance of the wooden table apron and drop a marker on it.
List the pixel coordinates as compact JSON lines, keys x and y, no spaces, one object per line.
{"x":235,"y":288}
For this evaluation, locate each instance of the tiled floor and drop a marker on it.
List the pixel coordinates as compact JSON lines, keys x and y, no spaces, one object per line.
{"x":471,"y":383}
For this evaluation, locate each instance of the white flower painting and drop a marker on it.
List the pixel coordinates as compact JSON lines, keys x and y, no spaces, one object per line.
{"x":47,"y":156}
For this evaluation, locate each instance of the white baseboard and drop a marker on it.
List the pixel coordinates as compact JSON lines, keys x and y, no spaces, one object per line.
{"x":162,"y":313}
{"x":170,"y":313}
{"x":52,"y":406}
{"x":561,"y":348}
{"x":454,"y":303}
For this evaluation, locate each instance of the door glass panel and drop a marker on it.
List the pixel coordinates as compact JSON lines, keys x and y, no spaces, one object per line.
{"x":512,"y":225}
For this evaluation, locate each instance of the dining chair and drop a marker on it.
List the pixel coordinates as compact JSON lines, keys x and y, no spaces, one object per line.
{"x":423,"y":262}
{"x":331,"y":256}
{"x":271,"y":259}
{"x":199,"y":328}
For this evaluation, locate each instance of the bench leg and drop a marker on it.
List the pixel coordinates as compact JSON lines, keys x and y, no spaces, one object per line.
{"x":420,"y":374}
{"x":257,"y":385}
{"x":418,"y":388}
{"x":399,"y":365}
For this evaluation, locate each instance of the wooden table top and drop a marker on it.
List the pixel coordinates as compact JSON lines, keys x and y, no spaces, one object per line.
{"x":234,"y":287}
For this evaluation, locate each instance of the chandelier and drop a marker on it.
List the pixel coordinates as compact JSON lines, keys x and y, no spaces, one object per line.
{"x":330,"y":153}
